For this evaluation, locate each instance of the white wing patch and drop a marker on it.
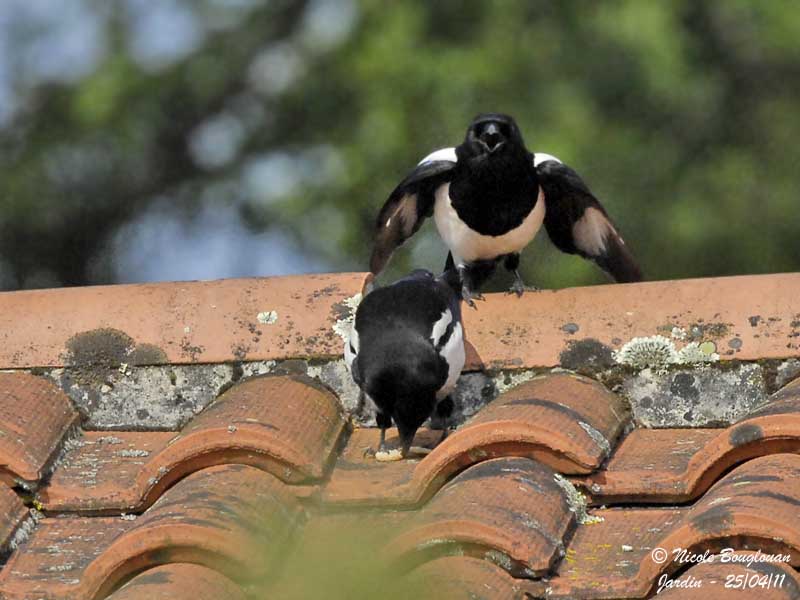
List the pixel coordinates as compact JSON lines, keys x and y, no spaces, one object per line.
{"x":351,"y":348}
{"x":443,"y":154}
{"x":590,"y":232}
{"x":541,"y":157}
{"x":440,"y":327}
{"x":454,"y":354}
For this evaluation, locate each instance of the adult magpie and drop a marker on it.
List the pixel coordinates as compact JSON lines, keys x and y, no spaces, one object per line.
{"x":489,"y":197}
{"x":406,"y":351}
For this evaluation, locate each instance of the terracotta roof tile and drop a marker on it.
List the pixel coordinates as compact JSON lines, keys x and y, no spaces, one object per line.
{"x":508,"y":509}
{"x":754,"y":505}
{"x":566,"y":421}
{"x":12,"y":513}
{"x":179,"y":581}
{"x":234,"y":518}
{"x":34,"y":418}
{"x":262,"y":478}
{"x":196,"y":321}
{"x":287,"y":425}
{"x":737,"y":580}
{"x":467,"y":578}
{"x":551,"y":327}
{"x":676,"y":465}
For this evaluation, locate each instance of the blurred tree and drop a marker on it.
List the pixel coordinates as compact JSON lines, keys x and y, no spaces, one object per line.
{"x":299,"y":117}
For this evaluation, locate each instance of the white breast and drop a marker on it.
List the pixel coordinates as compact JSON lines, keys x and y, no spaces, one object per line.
{"x":468,"y":245}
{"x":454,"y":355}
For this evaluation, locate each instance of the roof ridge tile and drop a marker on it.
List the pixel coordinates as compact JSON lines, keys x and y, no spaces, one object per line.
{"x":227,"y":320}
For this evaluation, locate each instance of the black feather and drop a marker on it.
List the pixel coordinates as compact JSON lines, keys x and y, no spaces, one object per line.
{"x":405,"y":210}
{"x":569,"y":204}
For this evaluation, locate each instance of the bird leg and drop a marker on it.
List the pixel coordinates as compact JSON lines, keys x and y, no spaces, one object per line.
{"x":384,"y":422}
{"x":382,"y":442}
{"x":444,"y":409}
{"x":512,"y":264}
{"x":467,"y":286}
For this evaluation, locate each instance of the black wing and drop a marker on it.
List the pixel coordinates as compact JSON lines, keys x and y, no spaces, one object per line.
{"x":578,"y":224}
{"x":406,"y":209}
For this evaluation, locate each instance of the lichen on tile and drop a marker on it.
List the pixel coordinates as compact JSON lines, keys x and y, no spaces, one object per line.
{"x":658,"y":353}
{"x":267,"y":317}
{"x":343,"y":325}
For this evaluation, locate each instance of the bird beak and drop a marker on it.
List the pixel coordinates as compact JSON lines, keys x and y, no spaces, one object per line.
{"x":491,"y":137}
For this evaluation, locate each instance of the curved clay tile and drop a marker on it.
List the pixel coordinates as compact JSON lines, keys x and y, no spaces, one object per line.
{"x":35,"y":416}
{"x":735,"y":580}
{"x":235,"y":519}
{"x":510,"y":510}
{"x":286,"y":425}
{"x":180,"y":581}
{"x":565,"y":421}
{"x":468,"y":578}
{"x":755,"y":506}
{"x":669,"y":465}
{"x":12,"y":513}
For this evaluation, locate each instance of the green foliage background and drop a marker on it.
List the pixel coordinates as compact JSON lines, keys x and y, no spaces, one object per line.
{"x":681,"y":115}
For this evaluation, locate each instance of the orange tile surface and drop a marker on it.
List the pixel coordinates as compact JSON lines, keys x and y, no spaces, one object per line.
{"x":217,"y":321}
{"x":286,"y":425}
{"x":179,"y":581}
{"x":718,"y":580}
{"x":565,"y":421}
{"x":675,"y":465}
{"x":234,"y":504}
{"x":178,"y":323}
{"x":511,"y":508}
{"x":235,"y":519}
{"x":467,"y":578}
{"x":34,"y":418}
{"x":12,"y":513}
{"x":755,"y":506}
{"x":532,"y":331}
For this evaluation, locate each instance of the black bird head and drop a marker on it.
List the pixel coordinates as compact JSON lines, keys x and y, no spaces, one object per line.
{"x":493,"y":134}
{"x":402,"y":377}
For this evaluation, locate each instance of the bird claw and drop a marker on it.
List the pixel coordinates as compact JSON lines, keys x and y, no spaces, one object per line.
{"x":470,"y":297}
{"x":517,"y":288}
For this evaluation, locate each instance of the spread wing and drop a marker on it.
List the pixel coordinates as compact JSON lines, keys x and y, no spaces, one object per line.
{"x":578,"y":224}
{"x":408,"y":205}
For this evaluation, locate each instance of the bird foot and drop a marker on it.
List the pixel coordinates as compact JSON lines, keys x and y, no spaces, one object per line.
{"x":470,"y":297}
{"x":518,"y":288}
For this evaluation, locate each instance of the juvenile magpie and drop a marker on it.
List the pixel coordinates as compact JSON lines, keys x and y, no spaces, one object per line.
{"x":489,"y":197}
{"x":406,"y":351}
